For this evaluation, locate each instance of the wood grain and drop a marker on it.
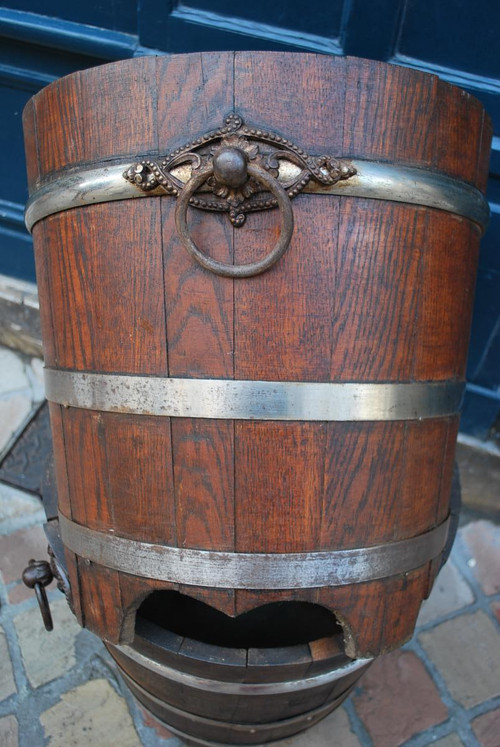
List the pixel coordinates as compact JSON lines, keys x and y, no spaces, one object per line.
{"x":84,"y":439}
{"x":388,"y":112}
{"x":30,"y":144}
{"x":41,"y":246}
{"x":447,"y":283}
{"x":142,"y":493}
{"x":377,"y":290}
{"x":278,"y":502}
{"x":100,"y":599}
{"x":458,"y":122}
{"x":107,"y":293}
{"x":116,"y":107}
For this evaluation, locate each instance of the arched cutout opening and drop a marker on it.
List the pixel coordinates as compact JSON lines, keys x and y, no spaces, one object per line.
{"x":273,"y":625}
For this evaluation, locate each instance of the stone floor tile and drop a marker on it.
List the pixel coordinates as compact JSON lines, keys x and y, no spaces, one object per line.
{"x":35,"y":374}
{"x":450,"y":592}
{"x":47,"y":655}
{"x":15,"y":503}
{"x":466,"y":651}
{"x":452,"y":740}
{"x":17,"y":548}
{"x":335,"y":729}
{"x":487,"y":728}
{"x":397,"y":699}
{"x":479,"y":479}
{"x":8,"y":731}
{"x":482,"y":539}
{"x":12,"y":374}
{"x":14,"y":413}
{"x":7,"y":683}
{"x":92,"y":714}
{"x":19,"y":593}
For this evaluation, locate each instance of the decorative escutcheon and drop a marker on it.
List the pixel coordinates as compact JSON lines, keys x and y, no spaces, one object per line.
{"x":237,"y":169}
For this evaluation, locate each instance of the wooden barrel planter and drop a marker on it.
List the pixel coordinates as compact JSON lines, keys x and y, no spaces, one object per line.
{"x":254,"y":370}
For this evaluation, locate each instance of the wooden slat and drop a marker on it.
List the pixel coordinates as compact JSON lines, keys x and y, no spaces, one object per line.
{"x":107,"y":291}
{"x":388,"y":113}
{"x":484,"y":154}
{"x":377,"y":615}
{"x":84,"y":438}
{"x":298,"y":96}
{"x":283,"y":318}
{"x":376,"y":290}
{"x":139,"y":477}
{"x":101,"y":600}
{"x":447,"y":282}
{"x":60,"y":467}
{"x":116,"y":107}
{"x":43,"y":278}
{"x":31,"y":144}
{"x":279,"y":502}
{"x":195,"y":93}
{"x":448,"y":465}
{"x":203,"y":483}
{"x":362,"y":483}
{"x":457,"y":123}
{"x":415,"y":509}
{"x":75,"y":585}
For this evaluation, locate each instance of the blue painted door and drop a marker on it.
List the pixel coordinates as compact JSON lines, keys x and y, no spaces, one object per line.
{"x":457,"y":39}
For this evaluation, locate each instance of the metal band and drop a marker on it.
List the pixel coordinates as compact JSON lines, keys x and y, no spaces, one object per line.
{"x":228,"y":729}
{"x":252,"y":400}
{"x":239,"y":688}
{"x":233,"y":570}
{"x":379,"y":181}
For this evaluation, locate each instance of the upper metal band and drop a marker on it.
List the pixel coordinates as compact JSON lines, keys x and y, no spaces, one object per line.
{"x":234,"y":570}
{"x":238,"y":688}
{"x":379,"y":181}
{"x":252,"y":400}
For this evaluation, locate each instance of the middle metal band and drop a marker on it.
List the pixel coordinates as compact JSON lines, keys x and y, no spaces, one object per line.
{"x":252,"y":400}
{"x":236,"y":570}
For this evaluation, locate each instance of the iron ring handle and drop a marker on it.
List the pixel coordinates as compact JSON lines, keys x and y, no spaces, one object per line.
{"x":221,"y":268}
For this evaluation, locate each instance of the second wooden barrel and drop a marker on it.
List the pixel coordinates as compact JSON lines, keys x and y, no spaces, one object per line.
{"x":256,"y":277}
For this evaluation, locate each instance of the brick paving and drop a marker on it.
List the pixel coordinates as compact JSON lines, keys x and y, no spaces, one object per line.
{"x":62,"y":689}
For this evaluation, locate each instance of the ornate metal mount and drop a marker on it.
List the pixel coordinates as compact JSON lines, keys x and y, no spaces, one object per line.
{"x":237,"y":169}
{"x":230,"y":187}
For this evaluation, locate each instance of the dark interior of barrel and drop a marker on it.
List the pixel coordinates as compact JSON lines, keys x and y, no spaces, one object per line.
{"x":277,"y":625}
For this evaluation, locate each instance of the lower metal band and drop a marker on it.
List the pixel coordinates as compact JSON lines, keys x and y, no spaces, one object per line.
{"x":235,"y":570}
{"x":379,"y":181}
{"x":269,"y":730}
{"x":252,"y":400}
{"x":239,"y":688}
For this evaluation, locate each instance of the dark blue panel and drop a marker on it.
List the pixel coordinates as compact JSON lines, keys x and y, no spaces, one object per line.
{"x":484,"y":322}
{"x":462,"y":34}
{"x":489,"y":255}
{"x":189,"y":29}
{"x":12,"y":146}
{"x":16,"y":253}
{"x":307,"y":16}
{"x":66,"y":35}
{"x":120,"y":15}
{"x":480,"y":412}
{"x":371,"y":28}
{"x":49,"y":63}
